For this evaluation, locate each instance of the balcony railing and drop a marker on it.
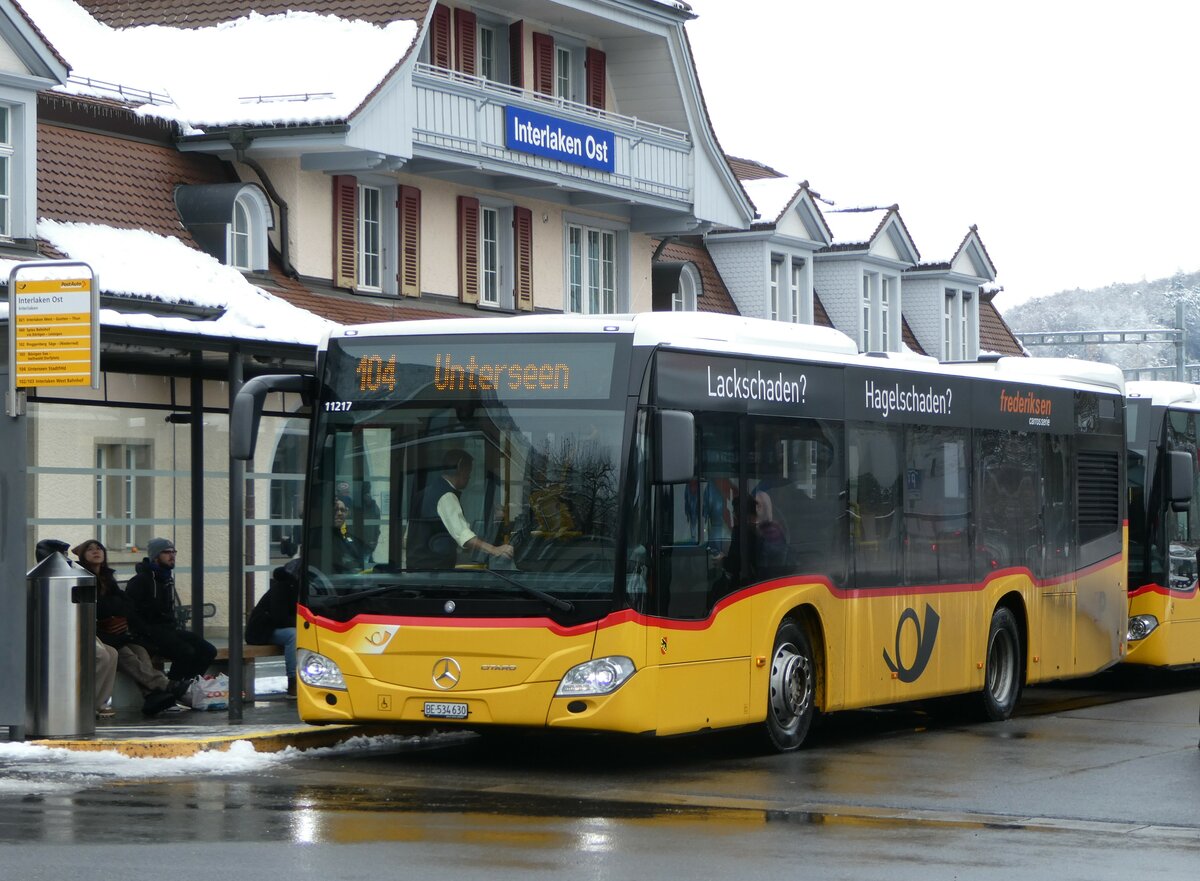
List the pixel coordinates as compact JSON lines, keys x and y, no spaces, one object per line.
{"x":465,"y":114}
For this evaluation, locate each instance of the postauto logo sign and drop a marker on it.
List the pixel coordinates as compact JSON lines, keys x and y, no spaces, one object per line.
{"x":528,"y":131}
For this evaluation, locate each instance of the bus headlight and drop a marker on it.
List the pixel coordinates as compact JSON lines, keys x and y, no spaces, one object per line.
{"x":1141,"y":626}
{"x":601,"y":676}
{"x":318,"y":671}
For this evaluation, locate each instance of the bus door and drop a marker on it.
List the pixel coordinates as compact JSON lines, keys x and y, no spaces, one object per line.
{"x":1056,"y":573}
{"x":700,"y":644}
{"x":1183,"y":541}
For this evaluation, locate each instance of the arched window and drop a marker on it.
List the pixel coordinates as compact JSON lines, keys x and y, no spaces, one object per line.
{"x":247,"y":244}
{"x":688,"y":291}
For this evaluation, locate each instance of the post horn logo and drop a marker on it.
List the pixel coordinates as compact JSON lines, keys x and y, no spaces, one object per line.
{"x":926,"y":637}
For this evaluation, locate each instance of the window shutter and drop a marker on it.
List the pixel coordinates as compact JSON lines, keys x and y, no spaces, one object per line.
{"x":523,"y":258}
{"x":408,"y":209}
{"x":595,"y":78}
{"x":439,"y":37}
{"x":464,"y":41}
{"x":543,"y":64}
{"x":516,"y":54}
{"x":468,"y":249}
{"x":345,"y":231}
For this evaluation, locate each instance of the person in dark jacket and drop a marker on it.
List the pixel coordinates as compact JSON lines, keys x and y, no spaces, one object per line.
{"x":348,"y":553}
{"x":273,"y":621}
{"x":152,"y":592}
{"x":119,"y":626}
{"x":439,"y":528}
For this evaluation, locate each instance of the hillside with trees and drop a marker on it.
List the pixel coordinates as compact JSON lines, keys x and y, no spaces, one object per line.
{"x":1138,"y":306}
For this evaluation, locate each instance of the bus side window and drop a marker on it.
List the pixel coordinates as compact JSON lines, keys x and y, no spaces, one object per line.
{"x":875,"y":455}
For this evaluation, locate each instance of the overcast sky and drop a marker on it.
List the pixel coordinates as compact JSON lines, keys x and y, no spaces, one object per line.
{"x":1066,"y":130}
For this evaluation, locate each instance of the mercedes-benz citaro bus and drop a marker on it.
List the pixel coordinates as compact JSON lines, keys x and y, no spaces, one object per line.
{"x":713,"y":522}
{"x":1164,"y":523}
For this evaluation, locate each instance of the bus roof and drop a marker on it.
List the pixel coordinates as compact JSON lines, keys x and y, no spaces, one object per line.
{"x":1165,"y":393}
{"x":683,"y":329}
{"x":735,"y":334}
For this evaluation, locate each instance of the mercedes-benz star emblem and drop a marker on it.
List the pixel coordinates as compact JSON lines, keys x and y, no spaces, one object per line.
{"x":446,"y":673}
{"x":449,"y":607}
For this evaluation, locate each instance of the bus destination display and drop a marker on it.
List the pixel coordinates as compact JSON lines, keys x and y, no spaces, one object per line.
{"x":532,"y":369}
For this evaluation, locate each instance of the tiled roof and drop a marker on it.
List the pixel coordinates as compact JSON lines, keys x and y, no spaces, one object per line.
{"x":203,"y":13}
{"x":910,"y":338}
{"x":994,"y":334}
{"x":820,"y":316}
{"x":715,"y":295}
{"x":749,"y":169}
{"x":90,"y":177}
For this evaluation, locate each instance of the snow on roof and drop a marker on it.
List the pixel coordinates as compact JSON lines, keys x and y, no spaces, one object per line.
{"x":853,"y":225}
{"x":137,"y":263}
{"x":772,"y":195}
{"x":233,"y":73}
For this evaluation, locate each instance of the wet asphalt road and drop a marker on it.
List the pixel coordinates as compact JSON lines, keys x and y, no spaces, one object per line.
{"x":1099,"y":780}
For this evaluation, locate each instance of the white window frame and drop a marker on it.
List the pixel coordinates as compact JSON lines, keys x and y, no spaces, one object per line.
{"x":885,"y":297}
{"x":773,"y":287}
{"x":249,"y":221}
{"x":687,"y":293}
{"x":568,"y":69}
{"x":795,"y":290}
{"x":496,"y":32}
{"x":948,"y":323}
{"x":370,"y":253}
{"x":499,"y":250}
{"x":241,"y":232}
{"x":490,"y":273}
{"x":7,"y":156}
{"x":964,"y":333}
{"x":868,"y":285}
{"x":594,"y":279}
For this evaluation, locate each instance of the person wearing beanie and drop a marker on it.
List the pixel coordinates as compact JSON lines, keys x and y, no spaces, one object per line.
{"x":152,"y":592}
{"x":119,"y":626}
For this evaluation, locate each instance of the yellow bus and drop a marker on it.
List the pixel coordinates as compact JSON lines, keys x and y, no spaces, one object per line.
{"x":683,"y":522}
{"x":1163,"y":420}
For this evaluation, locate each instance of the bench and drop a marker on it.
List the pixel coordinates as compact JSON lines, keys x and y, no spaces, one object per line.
{"x":250,"y":653}
{"x":127,"y":696}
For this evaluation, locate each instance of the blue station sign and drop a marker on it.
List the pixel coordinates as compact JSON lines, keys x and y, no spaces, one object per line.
{"x":528,"y":131}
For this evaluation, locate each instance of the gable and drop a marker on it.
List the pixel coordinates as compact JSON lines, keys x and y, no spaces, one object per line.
{"x":972,"y":260}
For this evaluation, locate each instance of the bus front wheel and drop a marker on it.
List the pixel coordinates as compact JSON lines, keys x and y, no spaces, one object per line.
{"x":1002,"y":667}
{"x":791,"y":698}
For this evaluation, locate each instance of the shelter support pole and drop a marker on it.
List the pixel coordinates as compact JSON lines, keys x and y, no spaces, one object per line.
{"x":237,"y":539}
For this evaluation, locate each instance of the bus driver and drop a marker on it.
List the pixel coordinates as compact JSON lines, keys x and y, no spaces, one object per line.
{"x":440,"y":528}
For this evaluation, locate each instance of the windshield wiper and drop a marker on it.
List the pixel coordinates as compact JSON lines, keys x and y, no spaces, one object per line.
{"x":343,"y":599}
{"x":552,"y":601}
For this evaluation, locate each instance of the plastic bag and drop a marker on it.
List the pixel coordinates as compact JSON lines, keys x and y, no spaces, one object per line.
{"x":209,"y":693}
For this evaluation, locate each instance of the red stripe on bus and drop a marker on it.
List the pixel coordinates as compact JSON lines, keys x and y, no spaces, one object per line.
{"x":625,"y":616}
{"x":1188,"y":594}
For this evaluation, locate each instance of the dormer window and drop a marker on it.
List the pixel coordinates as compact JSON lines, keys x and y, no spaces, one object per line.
{"x":960,"y":325}
{"x":676,"y":286}
{"x":228,"y":221}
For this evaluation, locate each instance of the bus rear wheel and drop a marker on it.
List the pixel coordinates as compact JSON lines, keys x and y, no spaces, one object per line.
{"x":791,"y":697}
{"x":1002,"y":667}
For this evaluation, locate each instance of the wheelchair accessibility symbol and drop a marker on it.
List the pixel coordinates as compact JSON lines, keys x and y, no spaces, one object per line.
{"x":926,"y":637}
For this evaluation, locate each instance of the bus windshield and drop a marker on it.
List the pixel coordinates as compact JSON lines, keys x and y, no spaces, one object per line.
{"x":428,"y":490}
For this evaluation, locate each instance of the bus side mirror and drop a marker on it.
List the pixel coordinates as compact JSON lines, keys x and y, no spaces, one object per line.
{"x":248,"y":405}
{"x":1181,"y":478}
{"x":675,"y":446}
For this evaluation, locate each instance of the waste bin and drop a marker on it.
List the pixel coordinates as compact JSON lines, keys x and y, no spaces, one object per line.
{"x":60,"y":699}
